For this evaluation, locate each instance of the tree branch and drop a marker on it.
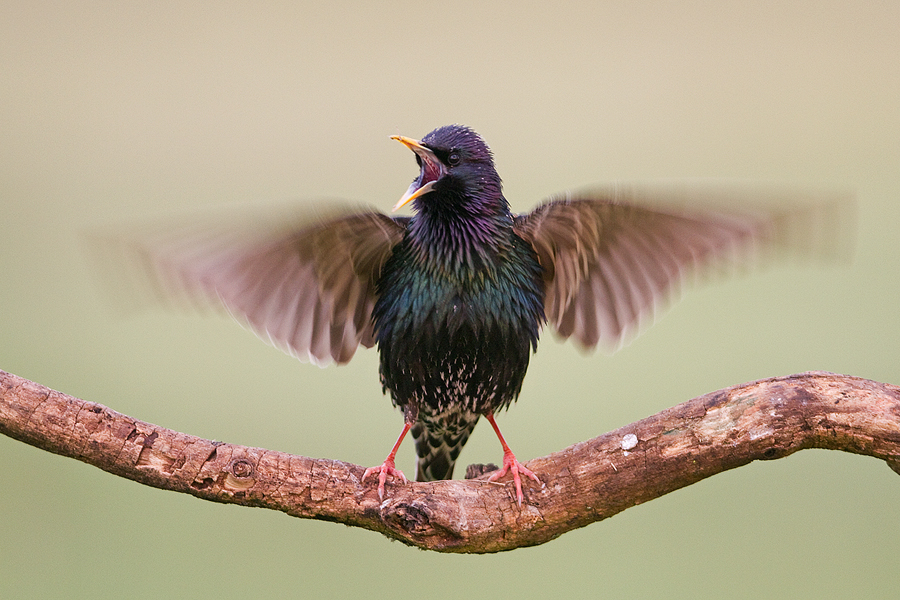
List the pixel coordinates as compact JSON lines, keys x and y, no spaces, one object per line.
{"x":584,"y":483}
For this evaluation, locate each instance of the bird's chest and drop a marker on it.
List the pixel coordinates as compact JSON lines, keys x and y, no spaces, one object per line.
{"x":430,"y":303}
{"x":454,"y":338}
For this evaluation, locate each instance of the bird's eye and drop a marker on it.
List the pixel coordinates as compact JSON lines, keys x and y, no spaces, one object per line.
{"x":453,"y":158}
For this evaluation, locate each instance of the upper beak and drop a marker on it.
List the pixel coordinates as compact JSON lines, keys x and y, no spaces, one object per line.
{"x":432,"y":170}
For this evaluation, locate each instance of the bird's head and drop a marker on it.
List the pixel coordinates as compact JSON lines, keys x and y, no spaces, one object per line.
{"x":455,"y":164}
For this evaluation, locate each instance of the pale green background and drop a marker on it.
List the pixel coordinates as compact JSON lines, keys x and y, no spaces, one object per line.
{"x":119,"y":110}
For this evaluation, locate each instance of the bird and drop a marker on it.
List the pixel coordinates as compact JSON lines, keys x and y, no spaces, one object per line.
{"x":455,"y":296}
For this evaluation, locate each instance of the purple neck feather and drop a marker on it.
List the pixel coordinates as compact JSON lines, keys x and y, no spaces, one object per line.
{"x":462,"y":226}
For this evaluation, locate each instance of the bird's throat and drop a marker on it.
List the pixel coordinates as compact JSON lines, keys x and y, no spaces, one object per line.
{"x":456,"y":240}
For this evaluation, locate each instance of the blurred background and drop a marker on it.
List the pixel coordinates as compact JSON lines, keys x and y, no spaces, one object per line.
{"x":117,"y":111}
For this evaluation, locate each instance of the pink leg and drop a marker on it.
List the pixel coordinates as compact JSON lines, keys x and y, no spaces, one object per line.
{"x":510,"y":464}
{"x":387,"y":467}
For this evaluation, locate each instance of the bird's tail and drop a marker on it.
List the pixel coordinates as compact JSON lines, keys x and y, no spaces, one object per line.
{"x":439,"y":442}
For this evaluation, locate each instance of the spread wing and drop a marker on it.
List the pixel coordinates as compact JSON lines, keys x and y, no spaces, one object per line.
{"x":610,"y":257}
{"x":309,"y":289}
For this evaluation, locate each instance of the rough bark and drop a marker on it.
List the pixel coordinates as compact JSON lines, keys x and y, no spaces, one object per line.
{"x":584,"y":483}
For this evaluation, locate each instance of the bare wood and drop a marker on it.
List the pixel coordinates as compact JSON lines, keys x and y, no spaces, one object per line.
{"x":584,"y":483}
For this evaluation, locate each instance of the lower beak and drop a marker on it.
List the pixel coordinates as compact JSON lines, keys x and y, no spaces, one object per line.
{"x":415,"y":190}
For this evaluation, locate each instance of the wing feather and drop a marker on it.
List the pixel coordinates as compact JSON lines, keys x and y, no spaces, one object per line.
{"x":612,"y":257}
{"x":308,"y":289}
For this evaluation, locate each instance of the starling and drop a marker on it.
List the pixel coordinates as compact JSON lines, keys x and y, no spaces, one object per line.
{"x":456,"y":295}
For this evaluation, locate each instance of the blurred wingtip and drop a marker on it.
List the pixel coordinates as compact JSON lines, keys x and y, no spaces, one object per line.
{"x":806,"y":222}
{"x":134,"y":264}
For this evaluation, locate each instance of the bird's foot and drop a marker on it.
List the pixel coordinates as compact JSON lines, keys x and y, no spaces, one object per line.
{"x":387,"y":468}
{"x":511,"y":464}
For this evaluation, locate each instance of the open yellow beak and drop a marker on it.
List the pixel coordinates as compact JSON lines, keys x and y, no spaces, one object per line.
{"x":432,"y":170}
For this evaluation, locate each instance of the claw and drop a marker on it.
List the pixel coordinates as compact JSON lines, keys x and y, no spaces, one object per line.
{"x":387,"y":468}
{"x":511,"y":464}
